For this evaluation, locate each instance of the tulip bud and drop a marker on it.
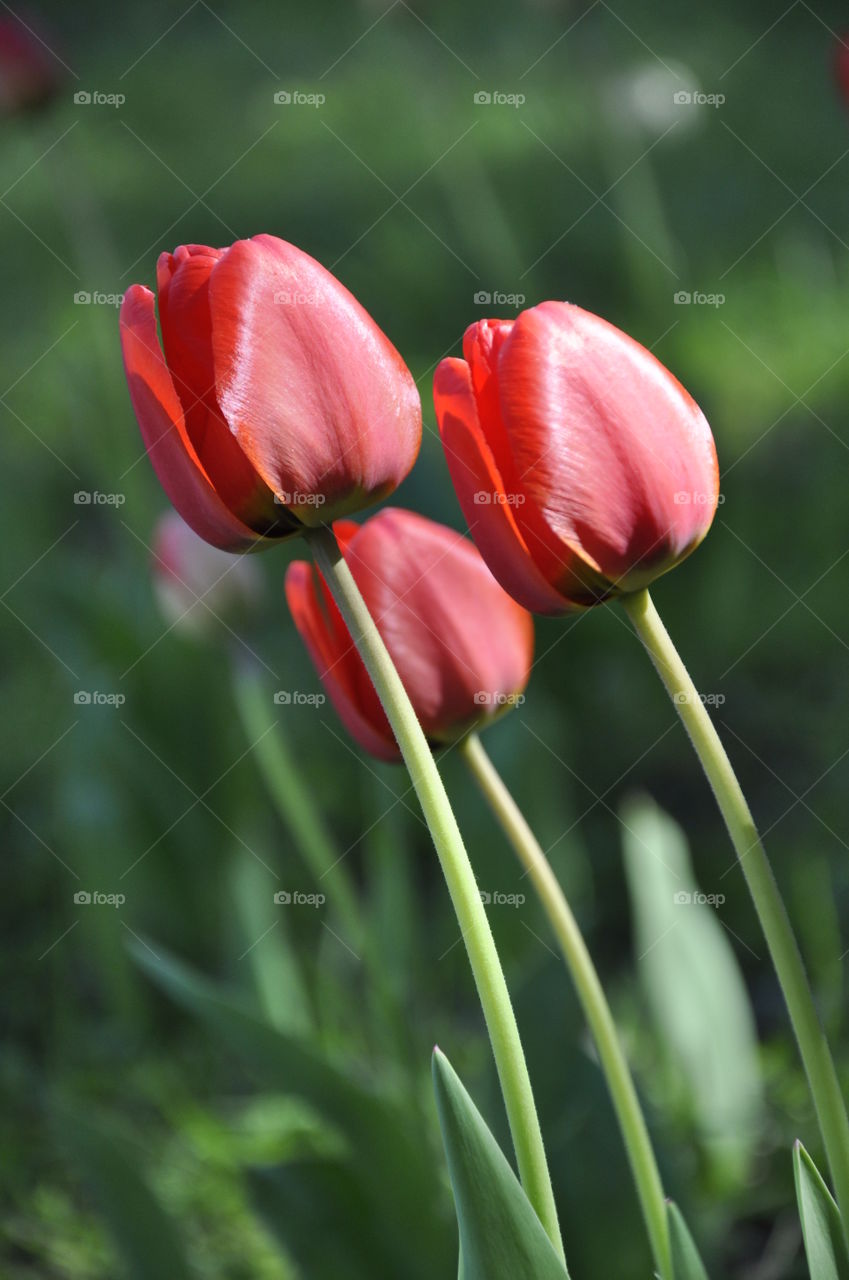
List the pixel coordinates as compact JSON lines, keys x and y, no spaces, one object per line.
{"x":29,"y":75}
{"x":462,"y":647}
{"x":277,"y":403}
{"x":583,"y":467}
{"x":841,"y":65}
{"x":197,"y":585}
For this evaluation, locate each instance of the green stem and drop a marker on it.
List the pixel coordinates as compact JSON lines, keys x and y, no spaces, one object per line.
{"x":459,"y":877}
{"x":292,"y":800}
{"x":786,"y":957}
{"x":590,"y":993}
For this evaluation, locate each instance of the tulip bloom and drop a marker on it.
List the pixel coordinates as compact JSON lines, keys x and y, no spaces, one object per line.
{"x":462,"y":647}
{"x":277,"y":404}
{"x":196,"y":584}
{"x":583,"y":467}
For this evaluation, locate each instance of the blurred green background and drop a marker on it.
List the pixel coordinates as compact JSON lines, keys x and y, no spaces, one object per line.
{"x":136,"y":1132}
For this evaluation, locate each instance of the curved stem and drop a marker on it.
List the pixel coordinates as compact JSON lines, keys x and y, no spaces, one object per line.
{"x":590,"y":993}
{"x":292,"y":799}
{"x":459,"y":876}
{"x":778,"y":931}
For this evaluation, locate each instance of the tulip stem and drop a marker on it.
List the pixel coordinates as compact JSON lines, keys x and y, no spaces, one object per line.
{"x":460,"y":879}
{"x":772,"y":913}
{"x":292,"y":799}
{"x":590,"y":993}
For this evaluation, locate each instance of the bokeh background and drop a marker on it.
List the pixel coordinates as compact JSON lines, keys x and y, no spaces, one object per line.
{"x":245,"y":1114}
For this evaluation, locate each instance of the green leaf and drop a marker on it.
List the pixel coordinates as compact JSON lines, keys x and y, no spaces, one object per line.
{"x":686,"y":1263}
{"x":268,"y":950}
{"x":825,"y":1247}
{"x":501,"y":1237}
{"x":319,"y":1210}
{"x":143,"y":1234}
{"x":693,"y":986}
{"x":388,"y":1152}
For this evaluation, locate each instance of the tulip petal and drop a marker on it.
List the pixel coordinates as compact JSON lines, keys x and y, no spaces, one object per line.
{"x":492,"y":522}
{"x":183,"y":297}
{"x":461,"y":644}
{"x":160,"y":417}
{"x":604,"y":438}
{"x":562,"y":562}
{"x":316,"y":395}
{"x":336,"y":660}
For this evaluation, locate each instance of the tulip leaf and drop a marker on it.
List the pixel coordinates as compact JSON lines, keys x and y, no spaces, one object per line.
{"x":144,"y":1235}
{"x":686,"y":1263}
{"x":694,"y":988}
{"x":501,"y":1237}
{"x":386,"y":1146}
{"x":320,"y":1212}
{"x":269,"y":952}
{"x":822,"y":1231}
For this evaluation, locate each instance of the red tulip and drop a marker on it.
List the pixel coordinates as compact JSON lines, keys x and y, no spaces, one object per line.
{"x":583,"y":467}
{"x":29,"y":74}
{"x":462,"y":647}
{"x":198,"y":585}
{"x":278,"y":402}
{"x":841,"y":65}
